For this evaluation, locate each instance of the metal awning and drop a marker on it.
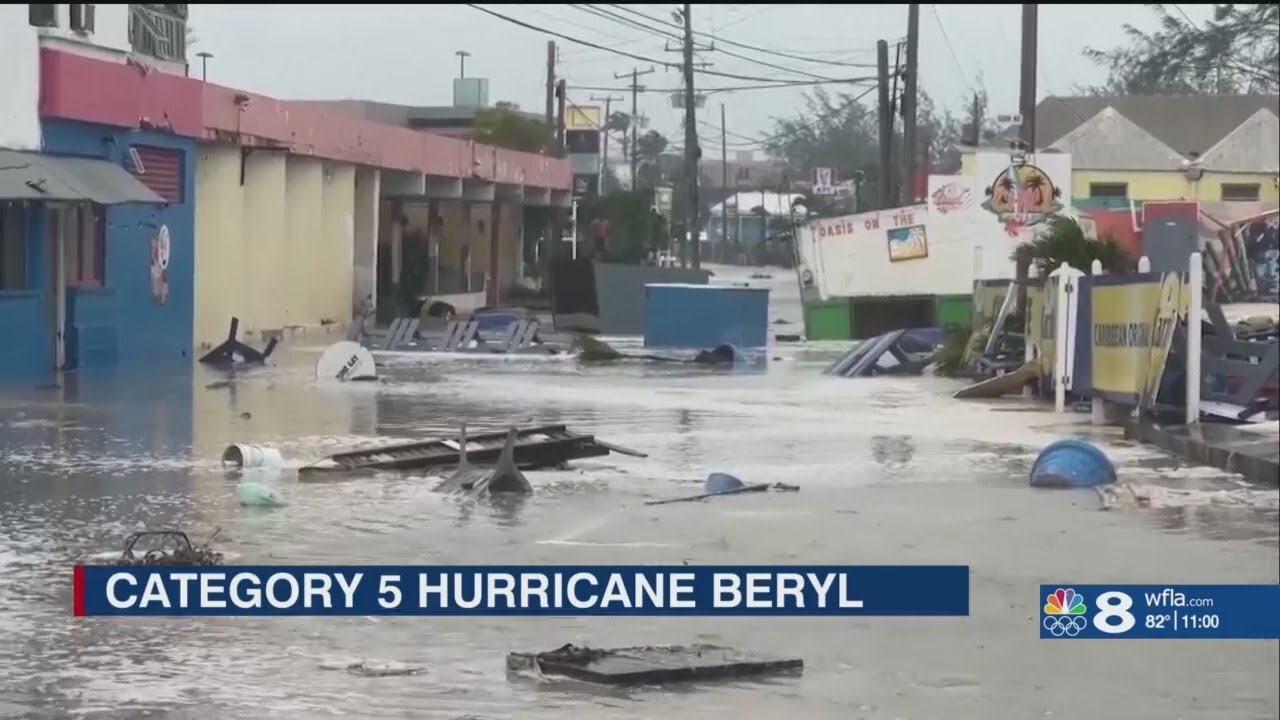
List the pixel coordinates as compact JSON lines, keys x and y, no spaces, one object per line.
{"x":34,"y":176}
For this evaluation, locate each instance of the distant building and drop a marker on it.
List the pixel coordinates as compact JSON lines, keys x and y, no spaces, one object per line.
{"x":1206,"y":148}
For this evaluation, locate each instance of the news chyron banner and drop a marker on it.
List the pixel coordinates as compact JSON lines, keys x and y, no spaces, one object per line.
{"x":1224,"y":612}
{"x":936,"y":590}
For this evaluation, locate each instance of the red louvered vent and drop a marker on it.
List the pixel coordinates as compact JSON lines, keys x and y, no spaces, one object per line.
{"x":160,"y":169}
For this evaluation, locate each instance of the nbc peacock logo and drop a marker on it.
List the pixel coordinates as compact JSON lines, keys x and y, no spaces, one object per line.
{"x":1064,"y":609}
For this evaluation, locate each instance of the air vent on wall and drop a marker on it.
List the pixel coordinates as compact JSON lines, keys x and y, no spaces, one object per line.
{"x":135,"y":160}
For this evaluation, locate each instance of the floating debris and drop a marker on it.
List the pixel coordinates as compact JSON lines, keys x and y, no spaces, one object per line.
{"x":1072,"y":463}
{"x":543,"y":446}
{"x":232,"y":352}
{"x":168,"y":547}
{"x":254,"y":494}
{"x":719,"y":484}
{"x":346,"y":361}
{"x":386,"y":669}
{"x":244,"y":455}
{"x":503,"y":477}
{"x":650,"y":665}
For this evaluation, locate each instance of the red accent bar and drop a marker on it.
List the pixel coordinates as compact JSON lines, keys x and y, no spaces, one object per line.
{"x":77,"y":591}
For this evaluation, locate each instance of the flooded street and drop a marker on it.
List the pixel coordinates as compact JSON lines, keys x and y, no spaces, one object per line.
{"x":892,"y":471}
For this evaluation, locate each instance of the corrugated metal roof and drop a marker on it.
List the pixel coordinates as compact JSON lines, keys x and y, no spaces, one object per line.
{"x":1188,"y":124}
{"x":34,"y":176}
{"x":1111,"y":141}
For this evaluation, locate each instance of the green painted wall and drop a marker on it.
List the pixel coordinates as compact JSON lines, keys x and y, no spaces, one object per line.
{"x":827,"y":320}
{"x":954,"y":310}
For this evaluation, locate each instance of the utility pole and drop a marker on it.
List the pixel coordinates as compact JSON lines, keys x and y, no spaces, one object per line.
{"x":635,"y":88}
{"x":910,"y":83}
{"x":691,"y":150}
{"x":561,"y":92}
{"x":1026,"y":133}
{"x":462,"y":62}
{"x":724,"y":182}
{"x":604,"y":135}
{"x":551,"y":84}
{"x":886,"y":127}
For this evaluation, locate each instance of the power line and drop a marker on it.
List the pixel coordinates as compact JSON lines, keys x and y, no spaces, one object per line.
{"x":633,"y":56}
{"x":809,"y":125}
{"x":745,"y":46}
{"x":633,"y":23}
{"x":946,"y":39}
{"x":735,"y":88}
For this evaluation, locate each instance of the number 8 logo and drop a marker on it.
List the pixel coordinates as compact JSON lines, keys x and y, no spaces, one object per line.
{"x":1114,"y":605}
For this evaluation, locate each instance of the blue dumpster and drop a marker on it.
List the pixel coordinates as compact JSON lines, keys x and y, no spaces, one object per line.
{"x":704,"y":316}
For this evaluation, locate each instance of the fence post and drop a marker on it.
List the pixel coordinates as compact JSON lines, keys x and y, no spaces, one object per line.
{"x":1144,"y":264}
{"x":1060,"y":340}
{"x":1195,"y":312}
{"x":1097,"y":408}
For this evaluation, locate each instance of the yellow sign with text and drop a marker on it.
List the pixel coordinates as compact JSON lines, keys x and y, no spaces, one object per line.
{"x":1132,"y":327}
{"x":582,"y":117}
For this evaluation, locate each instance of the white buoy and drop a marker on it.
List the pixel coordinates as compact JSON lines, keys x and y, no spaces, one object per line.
{"x":346,"y":360}
{"x":244,"y":455}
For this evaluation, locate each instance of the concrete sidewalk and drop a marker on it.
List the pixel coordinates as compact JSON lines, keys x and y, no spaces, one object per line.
{"x":1254,"y":455}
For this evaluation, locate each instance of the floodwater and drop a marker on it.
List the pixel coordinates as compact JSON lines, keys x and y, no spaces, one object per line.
{"x":891,"y":471}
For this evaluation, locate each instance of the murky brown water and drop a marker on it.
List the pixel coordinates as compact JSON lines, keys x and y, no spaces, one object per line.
{"x":892,"y":471}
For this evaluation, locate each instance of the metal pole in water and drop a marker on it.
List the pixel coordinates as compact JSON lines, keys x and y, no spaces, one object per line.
{"x":1059,"y":342}
{"x":1194,"y":340}
{"x":1098,"y":411}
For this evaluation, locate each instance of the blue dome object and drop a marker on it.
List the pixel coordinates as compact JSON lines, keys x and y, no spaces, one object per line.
{"x":1072,"y":463}
{"x":718,"y":482}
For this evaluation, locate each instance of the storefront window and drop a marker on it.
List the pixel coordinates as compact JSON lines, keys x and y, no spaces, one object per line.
{"x":84,"y":243}
{"x":13,"y":256}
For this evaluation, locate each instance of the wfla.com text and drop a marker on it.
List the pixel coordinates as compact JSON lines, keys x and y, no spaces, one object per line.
{"x":1173,"y":599}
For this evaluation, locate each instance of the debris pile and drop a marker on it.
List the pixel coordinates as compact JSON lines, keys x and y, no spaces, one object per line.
{"x":650,"y":665}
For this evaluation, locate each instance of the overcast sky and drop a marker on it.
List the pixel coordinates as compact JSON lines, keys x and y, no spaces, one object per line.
{"x":405,"y":54}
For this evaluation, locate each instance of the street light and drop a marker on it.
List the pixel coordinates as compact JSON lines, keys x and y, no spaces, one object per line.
{"x":462,"y":62}
{"x":204,"y":65}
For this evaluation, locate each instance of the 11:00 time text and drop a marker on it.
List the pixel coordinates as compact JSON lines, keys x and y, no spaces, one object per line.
{"x":1182,"y":622}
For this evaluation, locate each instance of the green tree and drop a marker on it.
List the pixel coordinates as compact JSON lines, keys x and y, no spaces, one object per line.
{"x":841,"y":132}
{"x":1236,"y":52}
{"x":649,"y":149}
{"x":1063,"y":240}
{"x":504,"y":126}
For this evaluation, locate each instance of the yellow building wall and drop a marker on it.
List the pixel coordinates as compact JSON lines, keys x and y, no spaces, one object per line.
{"x":219,"y":222}
{"x":335,"y":249}
{"x":1146,"y":185}
{"x":304,"y":199}
{"x":259,"y":303}
{"x":274,"y":246}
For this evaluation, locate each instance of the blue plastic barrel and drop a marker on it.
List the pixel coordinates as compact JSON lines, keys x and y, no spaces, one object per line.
{"x":718,"y":482}
{"x":1072,"y":463}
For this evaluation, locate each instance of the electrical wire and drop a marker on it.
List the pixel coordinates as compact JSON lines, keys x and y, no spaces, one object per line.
{"x":587,"y":43}
{"x":735,"y":88}
{"x":809,"y":125}
{"x":665,"y":34}
{"x":745,"y":46}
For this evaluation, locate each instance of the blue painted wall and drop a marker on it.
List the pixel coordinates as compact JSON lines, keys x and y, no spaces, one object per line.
{"x":27,"y":345}
{"x":121,"y":324}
